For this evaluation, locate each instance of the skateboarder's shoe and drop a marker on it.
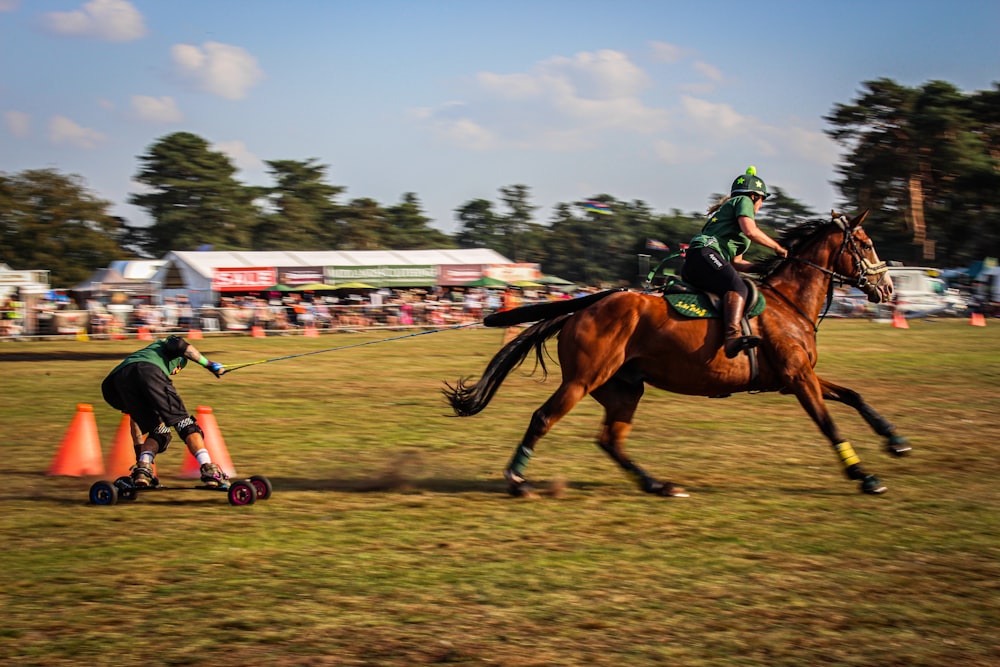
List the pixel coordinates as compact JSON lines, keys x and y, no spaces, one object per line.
{"x":212,"y":475}
{"x":142,"y":474}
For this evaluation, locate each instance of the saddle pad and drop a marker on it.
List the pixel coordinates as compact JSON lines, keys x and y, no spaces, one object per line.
{"x":700,"y":306}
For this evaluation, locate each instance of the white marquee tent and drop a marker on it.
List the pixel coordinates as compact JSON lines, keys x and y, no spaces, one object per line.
{"x":193,"y":271}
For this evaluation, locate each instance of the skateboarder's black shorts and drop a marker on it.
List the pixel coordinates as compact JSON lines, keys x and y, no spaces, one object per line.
{"x":146,"y":394}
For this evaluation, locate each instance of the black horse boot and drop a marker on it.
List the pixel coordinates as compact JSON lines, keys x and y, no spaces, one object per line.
{"x":732,"y":313}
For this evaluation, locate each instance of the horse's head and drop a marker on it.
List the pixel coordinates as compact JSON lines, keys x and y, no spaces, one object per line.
{"x":858,"y":262}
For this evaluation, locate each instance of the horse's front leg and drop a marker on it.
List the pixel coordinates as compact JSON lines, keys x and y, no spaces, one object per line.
{"x":808,"y":390}
{"x":895,"y":444}
{"x":620,"y":399}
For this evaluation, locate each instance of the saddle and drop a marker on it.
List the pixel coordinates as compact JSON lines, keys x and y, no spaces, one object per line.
{"x":690,"y":301}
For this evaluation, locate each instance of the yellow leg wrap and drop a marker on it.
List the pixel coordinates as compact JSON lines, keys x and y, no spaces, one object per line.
{"x":846,"y":454}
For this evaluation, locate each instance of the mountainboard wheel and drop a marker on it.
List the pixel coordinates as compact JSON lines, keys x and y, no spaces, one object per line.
{"x":263,"y":486}
{"x":103,"y":493}
{"x":242,"y":493}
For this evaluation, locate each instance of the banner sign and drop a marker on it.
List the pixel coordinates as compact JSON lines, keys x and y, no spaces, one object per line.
{"x":384,"y":276}
{"x":244,"y":279}
{"x":22,"y":277}
{"x":510,"y":273}
{"x":300,"y":275}
{"x":459,"y":274}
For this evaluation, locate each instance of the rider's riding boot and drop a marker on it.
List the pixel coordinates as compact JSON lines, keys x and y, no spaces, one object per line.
{"x":142,"y":474}
{"x":212,"y":475}
{"x":732,"y":313}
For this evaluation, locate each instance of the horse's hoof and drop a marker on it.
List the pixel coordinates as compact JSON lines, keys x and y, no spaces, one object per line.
{"x":898,"y":445}
{"x":665,"y":489}
{"x":522,"y":490}
{"x":872,"y":485}
{"x":674,"y":491}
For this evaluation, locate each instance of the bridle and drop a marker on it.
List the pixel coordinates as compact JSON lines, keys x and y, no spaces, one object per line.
{"x":863,"y":270}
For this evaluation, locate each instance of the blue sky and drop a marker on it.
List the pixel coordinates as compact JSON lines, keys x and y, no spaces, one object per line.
{"x":453,"y":99}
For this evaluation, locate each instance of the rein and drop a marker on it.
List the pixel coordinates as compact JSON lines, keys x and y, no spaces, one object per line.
{"x":862,"y":266}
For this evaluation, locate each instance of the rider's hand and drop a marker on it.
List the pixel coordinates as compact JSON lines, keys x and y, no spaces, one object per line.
{"x":781,"y":251}
{"x":216,"y":368}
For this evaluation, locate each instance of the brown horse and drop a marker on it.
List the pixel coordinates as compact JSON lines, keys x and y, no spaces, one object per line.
{"x":612,"y":343}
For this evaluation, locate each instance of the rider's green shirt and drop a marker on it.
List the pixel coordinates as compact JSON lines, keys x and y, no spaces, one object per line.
{"x":724,"y":227}
{"x":165,"y":354}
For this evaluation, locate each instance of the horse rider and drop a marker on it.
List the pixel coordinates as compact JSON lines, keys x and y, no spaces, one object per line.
{"x":140,"y":386}
{"x":715,"y":256}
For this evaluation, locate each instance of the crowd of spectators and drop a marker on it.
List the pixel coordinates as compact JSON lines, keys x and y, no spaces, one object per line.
{"x":275,"y":313}
{"x":268,"y":312}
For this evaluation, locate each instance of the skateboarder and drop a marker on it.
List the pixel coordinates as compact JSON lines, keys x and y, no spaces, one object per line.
{"x":140,"y":386}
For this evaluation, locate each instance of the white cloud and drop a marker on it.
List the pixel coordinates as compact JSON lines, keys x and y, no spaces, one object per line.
{"x":710,"y":72}
{"x":718,"y":119}
{"x":668,"y":53}
{"x":18,"y":123}
{"x":156,"y":109}
{"x":9,"y":5}
{"x":140,"y":188}
{"x":110,"y":20}
{"x":604,"y":74}
{"x":240,"y":155}
{"x":64,"y":131}
{"x":220,"y":69}
{"x":469,"y":134}
{"x":812,"y":145}
{"x":707,"y":129}
{"x":561,"y":104}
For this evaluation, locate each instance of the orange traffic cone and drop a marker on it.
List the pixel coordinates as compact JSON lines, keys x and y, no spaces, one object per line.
{"x":899,"y":322}
{"x":80,"y":451}
{"x":257,"y":332}
{"x":310,"y":332}
{"x":122,"y":456}
{"x":194,"y":334}
{"x":977,"y":320}
{"x":214,"y":443}
{"x":143,"y":334}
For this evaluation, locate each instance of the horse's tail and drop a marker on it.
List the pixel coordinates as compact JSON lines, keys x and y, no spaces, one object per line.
{"x":469,"y":399}
{"x":544,"y":311}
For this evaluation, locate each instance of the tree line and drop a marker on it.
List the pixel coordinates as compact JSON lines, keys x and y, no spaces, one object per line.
{"x":926,"y":160}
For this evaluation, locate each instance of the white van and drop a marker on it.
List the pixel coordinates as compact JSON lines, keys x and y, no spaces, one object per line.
{"x":921,"y":292}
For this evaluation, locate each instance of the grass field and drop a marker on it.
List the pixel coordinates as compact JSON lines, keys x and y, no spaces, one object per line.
{"x":390,"y":540}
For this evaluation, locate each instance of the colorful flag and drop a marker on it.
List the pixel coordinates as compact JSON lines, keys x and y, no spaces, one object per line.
{"x":597,"y":207}
{"x":653,"y":244}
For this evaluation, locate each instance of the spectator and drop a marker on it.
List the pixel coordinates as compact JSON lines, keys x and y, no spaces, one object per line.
{"x":169,"y":313}
{"x":12,"y":318}
{"x":324,"y":318}
{"x":185,"y":313}
{"x":100,"y":318}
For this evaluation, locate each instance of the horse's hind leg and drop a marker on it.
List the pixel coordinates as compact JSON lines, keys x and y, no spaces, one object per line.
{"x":542,"y":420}
{"x":620,"y":398}
{"x":895,"y":444}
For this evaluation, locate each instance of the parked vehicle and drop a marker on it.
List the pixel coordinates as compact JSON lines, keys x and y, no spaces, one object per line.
{"x":922,"y":292}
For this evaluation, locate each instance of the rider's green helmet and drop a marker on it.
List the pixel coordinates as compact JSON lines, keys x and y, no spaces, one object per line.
{"x":749,"y":183}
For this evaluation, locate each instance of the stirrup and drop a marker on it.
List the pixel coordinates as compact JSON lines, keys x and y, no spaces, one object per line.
{"x":733,"y":346}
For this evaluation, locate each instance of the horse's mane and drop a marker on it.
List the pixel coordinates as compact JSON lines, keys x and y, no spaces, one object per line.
{"x":793,"y":239}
